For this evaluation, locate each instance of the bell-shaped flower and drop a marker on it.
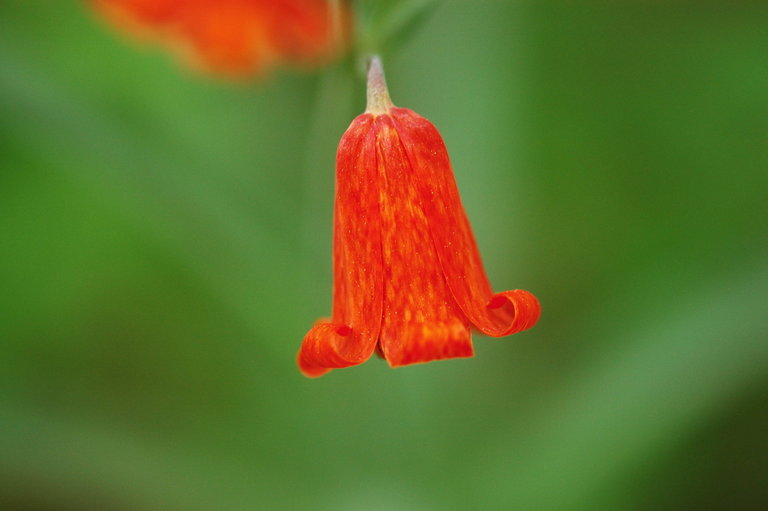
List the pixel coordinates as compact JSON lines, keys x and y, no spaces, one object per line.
{"x":409,"y":283}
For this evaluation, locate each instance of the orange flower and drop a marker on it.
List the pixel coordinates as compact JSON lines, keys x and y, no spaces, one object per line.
{"x":236,"y":37}
{"x":408,"y":278}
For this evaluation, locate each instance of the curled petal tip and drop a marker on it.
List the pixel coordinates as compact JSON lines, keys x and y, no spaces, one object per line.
{"x":512,"y":312}
{"x":331,"y":346}
{"x":525,"y":309}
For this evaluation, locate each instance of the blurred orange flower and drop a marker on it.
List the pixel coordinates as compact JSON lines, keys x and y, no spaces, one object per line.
{"x":236,"y":37}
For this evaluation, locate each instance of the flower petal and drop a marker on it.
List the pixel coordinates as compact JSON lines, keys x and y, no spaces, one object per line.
{"x":495,"y":315}
{"x":510,"y":312}
{"x":330,"y":346}
{"x":350,"y":337}
{"x":421,"y":319}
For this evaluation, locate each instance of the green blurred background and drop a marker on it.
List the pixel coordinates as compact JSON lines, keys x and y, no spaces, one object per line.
{"x":165,"y":244}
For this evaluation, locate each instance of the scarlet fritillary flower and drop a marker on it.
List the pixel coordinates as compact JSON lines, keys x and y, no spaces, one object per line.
{"x":236,"y":37}
{"x":408,"y":279}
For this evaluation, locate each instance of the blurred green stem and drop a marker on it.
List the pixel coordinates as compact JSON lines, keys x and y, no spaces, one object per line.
{"x":383,"y":26}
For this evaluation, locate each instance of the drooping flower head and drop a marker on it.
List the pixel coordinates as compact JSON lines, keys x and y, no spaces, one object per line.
{"x":408,"y":279}
{"x":236,"y":37}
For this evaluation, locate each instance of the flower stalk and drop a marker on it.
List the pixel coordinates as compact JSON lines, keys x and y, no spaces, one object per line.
{"x":378,"y":100}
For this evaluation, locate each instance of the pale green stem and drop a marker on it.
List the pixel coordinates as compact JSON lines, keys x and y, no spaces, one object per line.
{"x":379,"y":101}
